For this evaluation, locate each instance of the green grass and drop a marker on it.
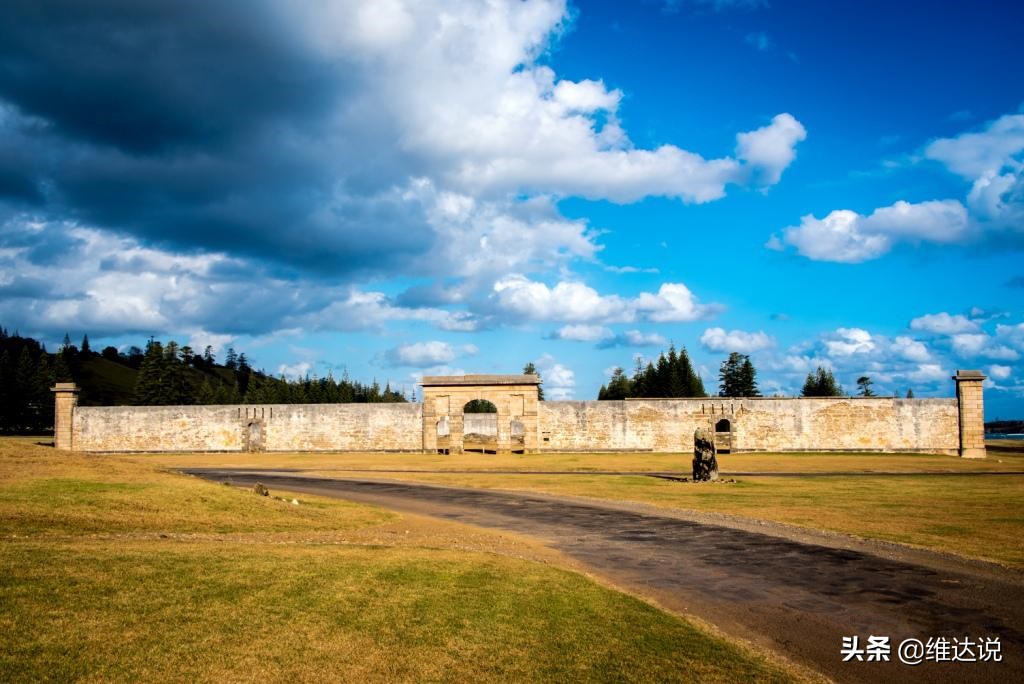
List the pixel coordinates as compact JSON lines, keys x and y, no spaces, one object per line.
{"x":112,"y":570}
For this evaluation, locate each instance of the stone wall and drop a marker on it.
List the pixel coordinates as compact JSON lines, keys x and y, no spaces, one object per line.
{"x":522,"y":423}
{"x":296,"y":427}
{"x":769,"y":424}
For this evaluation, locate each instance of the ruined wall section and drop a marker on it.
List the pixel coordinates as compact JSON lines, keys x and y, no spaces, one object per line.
{"x":769,"y":424}
{"x":293,"y":427}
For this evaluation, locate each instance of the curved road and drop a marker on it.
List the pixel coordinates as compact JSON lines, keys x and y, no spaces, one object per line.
{"x":797,"y":597}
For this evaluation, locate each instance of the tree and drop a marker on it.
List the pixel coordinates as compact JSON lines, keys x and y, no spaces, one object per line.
{"x":737,"y":377}
{"x":530,"y":369}
{"x":86,"y":350}
{"x":231,"y":359}
{"x":910,"y":394}
{"x":821,"y":383}
{"x":864,"y":386}
{"x":619,"y":386}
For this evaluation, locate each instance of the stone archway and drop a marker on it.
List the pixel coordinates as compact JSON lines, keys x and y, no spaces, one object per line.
{"x":514,"y":396}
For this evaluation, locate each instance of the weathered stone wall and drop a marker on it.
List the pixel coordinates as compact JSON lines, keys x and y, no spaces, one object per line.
{"x":296,"y":427}
{"x":523,"y":423}
{"x":769,"y":424}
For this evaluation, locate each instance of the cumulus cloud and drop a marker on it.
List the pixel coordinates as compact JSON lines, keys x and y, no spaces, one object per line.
{"x":421,"y":354}
{"x":583,"y":333}
{"x":718,"y":340}
{"x":998,"y":372}
{"x":943,"y":323}
{"x":577,"y":302}
{"x":991,"y":159}
{"x":911,"y":349}
{"x":335,"y":141}
{"x":770,"y":150}
{"x":848,"y":237}
{"x":634,"y":338}
{"x":850,"y":341}
{"x":559,"y":381}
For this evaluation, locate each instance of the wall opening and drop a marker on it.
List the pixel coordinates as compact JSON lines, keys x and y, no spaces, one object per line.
{"x":480,"y":427}
{"x":723,"y":436}
{"x":444,"y":432}
{"x":517,"y":433}
{"x":254,"y":435}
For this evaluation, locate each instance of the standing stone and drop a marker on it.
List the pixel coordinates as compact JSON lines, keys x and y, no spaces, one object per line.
{"x":705,"y":461}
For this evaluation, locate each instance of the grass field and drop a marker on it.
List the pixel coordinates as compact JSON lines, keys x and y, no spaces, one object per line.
{"x":112,"y":569}
{"x":638,"y":462}
{"x":977,"y":516}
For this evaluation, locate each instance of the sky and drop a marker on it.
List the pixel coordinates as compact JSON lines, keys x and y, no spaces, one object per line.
{"x":400,"y":188}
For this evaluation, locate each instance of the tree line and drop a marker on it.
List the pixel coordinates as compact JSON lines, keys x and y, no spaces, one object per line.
{"x":672,"y":375}
{"x":160,"y":374}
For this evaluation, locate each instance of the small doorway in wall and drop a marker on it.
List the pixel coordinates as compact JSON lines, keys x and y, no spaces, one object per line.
{"x":254,"y":435}
{"x":517,"y":432}
{"x":480,"y":427}
{"x":443,"y":428}
{"x":723,"y":436}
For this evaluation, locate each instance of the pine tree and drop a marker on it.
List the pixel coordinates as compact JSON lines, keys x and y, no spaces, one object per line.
{"x":737,"y":377}
{"x":821,"y":383}
{"x":619,"y":386}
{"x":910,"y":394}
{"x":86,"y":350}
{"x":61,"y":369}
{"x":864,"y":386}
{"x":149,"y":383}
{"x":206,"y":395}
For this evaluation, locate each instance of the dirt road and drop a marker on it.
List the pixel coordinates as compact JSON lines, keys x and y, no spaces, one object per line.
{"x":796,"y":596}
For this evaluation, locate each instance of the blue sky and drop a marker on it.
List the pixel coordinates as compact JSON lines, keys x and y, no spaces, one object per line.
{"x":394,"y":188}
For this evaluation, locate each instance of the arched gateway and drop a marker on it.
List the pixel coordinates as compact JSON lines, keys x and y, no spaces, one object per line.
{"x":515,"y":397}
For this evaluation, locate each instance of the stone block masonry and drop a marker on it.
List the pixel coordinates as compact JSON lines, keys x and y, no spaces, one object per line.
{"x":272,"y":427}
{"x":769,"y":424}
{"x":523,"y":423}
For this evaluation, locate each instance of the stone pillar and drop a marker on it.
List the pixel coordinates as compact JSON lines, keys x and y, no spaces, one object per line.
{"x":972,"y":413}
{"x":504,"y":436}
{"x":456,"y":430}
{"x":65,"y":398}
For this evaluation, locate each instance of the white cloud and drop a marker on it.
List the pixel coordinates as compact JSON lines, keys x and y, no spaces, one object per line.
{"x":770,"y":150}
{"x":559,"y":381}
{"x":944,"y":324}
{"x":970,"y":345}
{"x":991,"y":159}
{"x":928,"y":373}
{"x":460,"y":83}
{"x":718,"y":340}
{"x":850,"y":341}
{"x":972,"y":155}
{"x":583,"y":333}
{"x":999,"y":372}
{"x":911,"y":349}
{"x":421,"y":354}
{"x":848,"y":237}
{"x":295,"y":370}
{"x":573,"y":301}
{"x":634,"y":338}
{"x":368,"y":310}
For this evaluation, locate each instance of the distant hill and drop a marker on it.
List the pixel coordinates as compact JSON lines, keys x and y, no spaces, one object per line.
{"x":162,"y":374}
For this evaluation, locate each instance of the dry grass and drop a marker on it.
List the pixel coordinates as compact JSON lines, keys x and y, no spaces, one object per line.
{"x":976,"y":516}
{"x":632,"y":462}
{"x":114,"y":570}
